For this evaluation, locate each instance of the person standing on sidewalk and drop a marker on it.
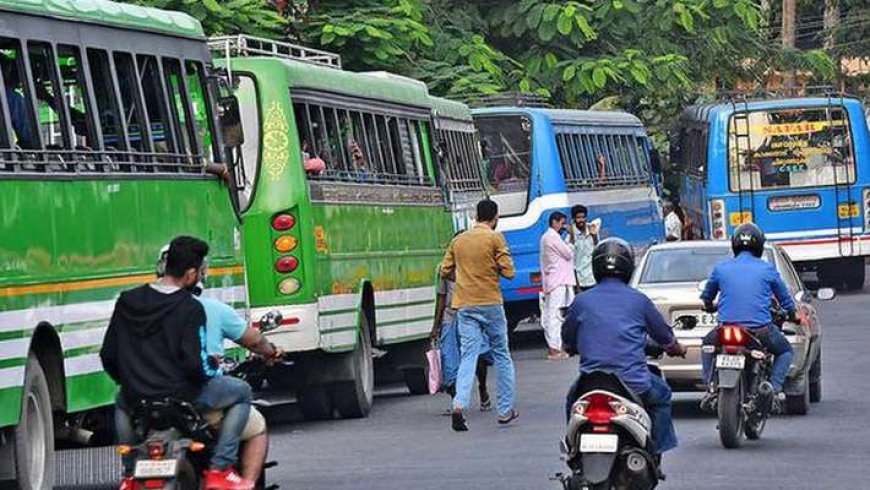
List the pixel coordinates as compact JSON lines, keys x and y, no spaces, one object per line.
{"x":584,"y":241}
{"x":557,"y":275}
{"x":479,"y":257}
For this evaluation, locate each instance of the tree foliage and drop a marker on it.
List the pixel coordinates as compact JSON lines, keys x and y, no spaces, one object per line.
{"x":255,"y":17}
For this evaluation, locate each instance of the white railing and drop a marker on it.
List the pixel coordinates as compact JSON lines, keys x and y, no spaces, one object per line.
{"x":243,"y":45}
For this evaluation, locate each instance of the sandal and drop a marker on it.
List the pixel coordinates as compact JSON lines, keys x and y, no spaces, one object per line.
{"x":485,"y":402}
{"x":457,"y":421}
{"x":510,"y":418}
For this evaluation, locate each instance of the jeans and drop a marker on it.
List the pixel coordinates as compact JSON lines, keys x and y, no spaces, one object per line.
{"x":775,"y":342}
{"x":450,"y":352}
{"x":220,"y":393}
{"x":551,"y":321}
{"x":478,"y":324}
{"x":657,"y":402}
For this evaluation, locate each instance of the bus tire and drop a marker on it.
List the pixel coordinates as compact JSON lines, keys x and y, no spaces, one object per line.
{"x":353,"y":399}
{"x":34,"y":434}
{"x":314,"y":402}
{"x":853,"y":274}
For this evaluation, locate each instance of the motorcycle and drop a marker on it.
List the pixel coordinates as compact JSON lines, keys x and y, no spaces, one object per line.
{"x":741,"y":379}
{"x":608,"y":445}
{"x":177,"y":440}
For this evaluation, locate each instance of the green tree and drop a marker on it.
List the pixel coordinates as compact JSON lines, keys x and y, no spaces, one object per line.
{"x":255,"y":17}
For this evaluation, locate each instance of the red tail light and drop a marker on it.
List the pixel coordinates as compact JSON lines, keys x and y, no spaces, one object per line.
{"x":732,"y":335}
{"x":155,"y":450}
{"x":599,"y":411}
{"x":286,"y":265}
{"x":153,"y":484}
{"x":283,"y":222}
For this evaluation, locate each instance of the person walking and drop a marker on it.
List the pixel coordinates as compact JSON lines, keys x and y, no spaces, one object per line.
{"x":673,"y":225}
{"x":584,"y":240}
{"x":478,"y":258}
{"x":557,"y":275}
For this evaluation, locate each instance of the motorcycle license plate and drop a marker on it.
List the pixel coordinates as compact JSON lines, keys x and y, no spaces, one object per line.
{"x":730,"y":362}
{"x":598,"y":443}
{"x":164,"y":468}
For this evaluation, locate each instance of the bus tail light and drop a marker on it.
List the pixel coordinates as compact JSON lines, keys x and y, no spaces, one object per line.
{"x":283,"y":222}
{"x":285,"y":243}
{"x":286,"y":265}
{"x":718,"y":228}
{"x":867,"y":208}
{"x":289,"y":286}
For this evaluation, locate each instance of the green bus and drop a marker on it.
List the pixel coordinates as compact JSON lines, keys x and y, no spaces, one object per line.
{"x":108,"y":148}
{"x":344,"y":219}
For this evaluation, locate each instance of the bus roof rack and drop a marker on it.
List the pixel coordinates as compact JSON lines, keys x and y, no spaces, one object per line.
{"x":782,"y":93}
{"x":510,"y":99}
{"x":243,"y":45}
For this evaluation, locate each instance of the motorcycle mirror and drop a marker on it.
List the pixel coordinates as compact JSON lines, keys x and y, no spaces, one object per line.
{"x":702,"y":285}
{"x":270,"y":321}
{"x":826,"y":294}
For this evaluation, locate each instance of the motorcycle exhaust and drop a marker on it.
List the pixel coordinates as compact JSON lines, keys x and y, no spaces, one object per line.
{"x":765,"y":388}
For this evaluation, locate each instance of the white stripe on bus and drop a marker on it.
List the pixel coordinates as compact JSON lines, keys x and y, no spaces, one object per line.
{"x":414,"y":311}
{"x":11,"y":377}
{"x":88,"y":364}
{"x":562,"y":200}
{"x":833,"y":232}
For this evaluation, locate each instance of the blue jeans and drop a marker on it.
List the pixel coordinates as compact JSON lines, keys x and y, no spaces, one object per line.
{"x":775,"y":342}
{"x":657,"y":402}
{"x":478,"y":324}
{"x":226,"y":393}
{"x":450,"y":352}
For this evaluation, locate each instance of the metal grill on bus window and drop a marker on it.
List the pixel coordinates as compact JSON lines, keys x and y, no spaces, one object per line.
{"x":602,"y":160}
{"x":461,"y":160}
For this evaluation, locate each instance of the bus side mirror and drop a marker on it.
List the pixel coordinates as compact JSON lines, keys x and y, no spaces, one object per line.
{"x":231,"y":121}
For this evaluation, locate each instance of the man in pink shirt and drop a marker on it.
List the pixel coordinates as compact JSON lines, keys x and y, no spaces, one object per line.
{"x":557,"y":274}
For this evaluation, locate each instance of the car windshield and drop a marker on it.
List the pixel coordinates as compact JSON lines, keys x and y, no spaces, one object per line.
{"x":684,"y":264}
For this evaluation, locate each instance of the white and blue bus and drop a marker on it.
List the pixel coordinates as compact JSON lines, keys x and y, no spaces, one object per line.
{"x":536,"y":161}
{"x":797,"y":167}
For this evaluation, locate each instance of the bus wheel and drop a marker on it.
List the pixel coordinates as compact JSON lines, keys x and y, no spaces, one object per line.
{"x":353,"y":399}
{"x":34,"y":434}
{"x":853,"y":274}
{"x":314,"y":402}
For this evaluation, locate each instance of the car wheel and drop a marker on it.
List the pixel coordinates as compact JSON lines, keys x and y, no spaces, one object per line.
{"x":798,"y":404}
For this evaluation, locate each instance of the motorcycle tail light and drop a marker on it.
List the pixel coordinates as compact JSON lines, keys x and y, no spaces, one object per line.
{"x":732,"y":335}
{"x":155,"y":450}
{"x":599,"y":410}
{"x":154,"y":484}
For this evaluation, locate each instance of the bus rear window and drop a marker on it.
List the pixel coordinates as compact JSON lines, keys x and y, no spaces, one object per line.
{"x":790,"y":148}
{"x":507,"y":160}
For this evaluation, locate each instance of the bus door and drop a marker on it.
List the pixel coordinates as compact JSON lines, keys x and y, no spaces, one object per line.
{"x":791,"y":171}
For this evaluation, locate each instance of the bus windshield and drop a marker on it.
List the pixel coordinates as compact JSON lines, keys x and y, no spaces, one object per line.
{"x":506,"y":144}
{"x":790,"y":148}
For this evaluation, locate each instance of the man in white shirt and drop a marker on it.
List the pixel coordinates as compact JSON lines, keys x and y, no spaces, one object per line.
{"x":557,"y":274}
{"x":673,"y":225}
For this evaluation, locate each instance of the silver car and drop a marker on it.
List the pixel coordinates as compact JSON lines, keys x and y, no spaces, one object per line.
{"x":672,"y":276}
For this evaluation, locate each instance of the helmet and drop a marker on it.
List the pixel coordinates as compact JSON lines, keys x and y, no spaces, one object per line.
{"x":612,"y":258}
{"x":748,"y":237}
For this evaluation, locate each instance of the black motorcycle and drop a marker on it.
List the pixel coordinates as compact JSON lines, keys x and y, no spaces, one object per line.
{"x":177,"y":441}
{"x":745,"y":398}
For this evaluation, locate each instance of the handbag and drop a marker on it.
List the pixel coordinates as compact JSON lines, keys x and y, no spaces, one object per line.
{"x":433,"y":356}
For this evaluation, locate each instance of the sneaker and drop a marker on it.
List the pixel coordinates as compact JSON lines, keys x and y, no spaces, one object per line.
{"x":129,"y":483}
{"x":778,"y":403}
{"x":226,"y":479}
{"x":506,"y":419}
{"x":457,"y":421}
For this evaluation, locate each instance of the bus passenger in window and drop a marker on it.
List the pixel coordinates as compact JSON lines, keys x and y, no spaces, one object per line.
{"x":17,"y":106}
{"x":312,"y":164}
{"x":360,"y":164}
{"x":602,"y":167}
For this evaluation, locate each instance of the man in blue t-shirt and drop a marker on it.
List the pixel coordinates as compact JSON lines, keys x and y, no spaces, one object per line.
{"x":609,"y":326}
{"x":745,"y":286}
{"x":223,"y":323}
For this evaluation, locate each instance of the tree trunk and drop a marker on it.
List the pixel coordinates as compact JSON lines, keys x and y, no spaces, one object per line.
{"x":789,"y":18}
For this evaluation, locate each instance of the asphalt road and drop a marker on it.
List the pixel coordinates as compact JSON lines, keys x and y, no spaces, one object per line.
{"x":406,"y":443}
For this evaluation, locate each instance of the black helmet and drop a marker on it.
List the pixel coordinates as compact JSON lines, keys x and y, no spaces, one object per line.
{"x":612,"y":258}
{"x":748,"y":237}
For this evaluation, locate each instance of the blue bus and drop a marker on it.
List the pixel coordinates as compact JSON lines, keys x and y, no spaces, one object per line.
{"x":797,"y":167}
{"x":536,"y":161}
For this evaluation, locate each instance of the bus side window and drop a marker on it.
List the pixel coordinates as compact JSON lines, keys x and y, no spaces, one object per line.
{"x":21,"y":109}
{"x":49,"y":120}
{"x":181,"y":113}
{"x":107,"y":102}
{"x":155,"y":105}
{"x":131,"y":102}
{"x":75,"y":96}
{"x":200,"y":100}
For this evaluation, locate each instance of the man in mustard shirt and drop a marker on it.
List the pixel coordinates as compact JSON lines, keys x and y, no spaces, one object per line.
{"x":479,"y":257}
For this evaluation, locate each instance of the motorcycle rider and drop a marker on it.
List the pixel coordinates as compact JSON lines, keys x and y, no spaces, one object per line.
{"x":745,"y":285}
{"x":609,"y":326}
{"x":153,"y":350}
{"x":223,"y":323}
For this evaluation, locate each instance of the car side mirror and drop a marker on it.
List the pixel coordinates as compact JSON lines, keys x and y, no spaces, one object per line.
{"x":826,"y":294}
{"x":231,"y":121}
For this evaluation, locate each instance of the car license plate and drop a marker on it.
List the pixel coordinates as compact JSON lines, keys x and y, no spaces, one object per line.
{"x":164,"y":468}
{"x":598,"y":443}
{"x":730,"y":362}
{"x":708,"y":320}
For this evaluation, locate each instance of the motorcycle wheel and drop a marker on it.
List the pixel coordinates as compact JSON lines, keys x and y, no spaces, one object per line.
{"x":731,"y":416}
{"x":187,"y":478}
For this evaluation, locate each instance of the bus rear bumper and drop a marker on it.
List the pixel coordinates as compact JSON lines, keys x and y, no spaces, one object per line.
{"x":299,"y":327}
{"x":815,"y":249}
